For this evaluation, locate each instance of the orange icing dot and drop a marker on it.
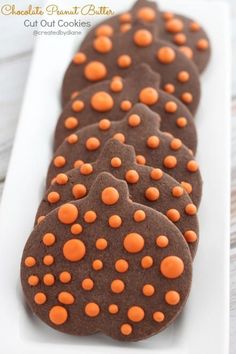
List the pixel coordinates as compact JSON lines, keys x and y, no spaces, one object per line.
{"x":149,"y":96}
{"x":86,"y":169}
{"x":74,"y":250}
{"x":181,"y":122}
{"x":172,"y":297}
{"x":148,"y":290}
{"x":121,"y":265}
{"x":167,"y":15}
{"x":156,"y":174}
{"x":58,"y":315}
{"x":202,"y":44}
{"x":102,"y":102}
{"x":104,"y":124}
{"x":116,"y":162}
{"x":49,"y":239}
{"x":49,"y":279}
{"x":67,"y":213}
{"x":194,"y":27}
{"x":187,"y":51}
{"x":95,"y":71}
{"x":124,"y":61}
{"x":132,"y":176}
{"x":71,"y":123}
{"x":102,"y":44}
{"x":187,"y":186}
{"x":33,"y":280}
{"x":176,"y":144}
{"x":125,"y":17}
{"x":77,"y":106}
{"x":146,"y":262}
{"x":125,"y":105}
{"x":79,"y":58}
{"x":61,"y":178}
{"x":152,"y":194}
{"x":142,"y":38}
{"x":133,"y":242}
{"x":125,"y":27}
{"x":113,"y":309}
{"x":162,"y":241}
{"x":192,"y":166}
{"x":78,"y":163}
{"x":171,"y":107}
{"x":117,"y":286}
{"x":190,"y":209}
{"x":177,"y":191}
{"x":59,"y":161}
{"x":158,"y":316}
{"x":187,"y":97}
{"x":97,"y":264}
{"x":101,"y":244}
{"x":104,"y":30}
{"x":79,"y":191}
{"x":126,"y":329}
{"x":72,"y":139}
{"x":135,"y":314}
{"x":170,"y":161}
{"x":169,"y":88}
{"x":110,"y":196}
{"x":180,"y":38}
{"x":120,"y":137}
{"x":166,"y":55}
{"x":65,"y":277}
{"x":140,"y":159}
{"x":153,"y":142}
{"x":115,"y":221}
{"x":40,"y":298}
{"x":172,"y":267}
{"x":90,"y":216}
{"x":87,"y":284}
{"x":48,"y":260}
{"x":146,"y":14}
{"x":30,"y":261}
{"x":190,"y":236}
{"x":134,"y":120}
{"x":183,"y":76}
{"x":76,"y":229}
{"x":174,"y":25}
{"x":53,"y":197}
{"x":173,"y":215}
{"x":92,"y":144}
{"x":66,"y":298}
{"x":139,"y":215}
{"x":116,"y":85}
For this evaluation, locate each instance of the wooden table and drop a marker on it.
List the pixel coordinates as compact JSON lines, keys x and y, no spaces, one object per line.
{"x":15,"y":55}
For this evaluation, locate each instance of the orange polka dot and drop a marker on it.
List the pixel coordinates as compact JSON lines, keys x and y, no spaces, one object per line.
{"x":173,"y":215}
{"x":53,"y":197}
{"x":202,"y":44}
{"x":86,"y":169}
{"x":176,"y":144}
{"x":125,"y":27}
{"x":104,"y":124}
{"x":110,"y":196}
{"x":40,"y":298}
{"x":187,"y":187}
{"x":49,"y":279}
{"x":116,"y":162}
{"x":87,"y":284}
{"x":77,"y":106}
{"x":146,"y":14}
{"x":170,"y":161}
{"x":156,"y":174}
{"x":139,"y":216}
{"x":48,"y":260}
{"x":67,"y":213}
{"x":33,"y":280}
{"x":180,"y":38}
{"x":192,"y":166}
{"x":101,"y":244}
{"x":65,"y":277}
{"x":132,"y":176}
{"x":135,"y":314}
{"x":152,"y":194}
{"x":153,"y":142}
{"x":148,"y":96}
{"x":79,"y":191}
{"x":172,"y":297}
{"x":194,"y":27}
{"x":72,"y":139}
{"x":116,"y":85}
{"x":126,"y":329}
{"x":125,"y":17}
{"x":146,"y":262}
{"x":95,"y":71}
{"x":181,"y":122}
{"x":191,"y":209}
{"x":62,"y":178}
{"x":76,"y":229}
{"x":120,"y":137}
{"x":187,"y":51}
{"x":117,"y":286}
{"x":125,"y":105}
{"x":148,"y":290}
{"x":113,"y":309}
{"x":40,"y":219}
{"x":104,"y":30}
{"x":115,"y":221}
{"x":78,"y":163}
{"x":92,"y":144}
{"x":133,"y":242}
{"x":183,"y":76}
{"x":90,"y":216}
{"x":97,"y":264}
{"x":167,"y":15}
{"x":142,"y":38}
{"x":134,"y":120}
{"x":121,"y":265}
{"x":177,"y":191}
{"x":166,"y":55}
{"x":59,"y":161}
{"x":66,"y":298}
{"x":174,"y":25}
{"x":102,"y":102}
{"x":140,"y":159}
{"x":74,"y":250}
{"x":158,"y":316}
{"x":102,"y":44}
{"x":49,"y":239}
{"x":169,"y":88}
{"x":71,"y":123}
{"x":187,"y":97}
{"x":124,"y":61}
{"x":190,"y":236}
{"x":162,"y":241}
{"x":171,"y":107}
{"x":58,"y":315}
{"x":30,"y":261}
{"x":172,"y":267}
{"x":79,"y":58}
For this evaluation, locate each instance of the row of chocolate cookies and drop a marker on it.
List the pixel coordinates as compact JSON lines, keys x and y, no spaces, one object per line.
{"x":117,"y":228}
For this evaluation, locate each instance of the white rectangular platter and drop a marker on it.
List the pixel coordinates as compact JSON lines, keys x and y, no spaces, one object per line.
{"x":203,"y":327}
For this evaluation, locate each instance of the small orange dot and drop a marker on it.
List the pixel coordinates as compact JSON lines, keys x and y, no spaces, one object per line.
{"x":58,"y":315}
{"x":177,"y":191}
{"x":146,"y":14}
{"x":77,"y":105}
{"x":104,"y":30}
{"x":117,"y":286}
{"x":167,"y":15}
{"x":169,"y":88}
{"x":194,"y":27}
{"x":172,"y":267}
{"x":30,"y":261}
{"x":180,"y":38}
{"x":181,"y":122}
{"x":49,"y":239}
{"x":187,"y":187}
{"x":202,"y":44}
{"x":65,"y":277}
{"x":171,"y":107}
{"x":148,"y":290}
{"x":190,"y":236}
{"x":92,"y":144}
{"x":126,"y":105}
{"x":102,"y":44}
{"x":66,"y":298}
{"x":40,"y":298}
{"x":187,"y":97}
{"x":139,"y":216}
{"x":125,"y":27}
{"x":156,"y":174}
{"x":33,"y":280}
{"x":187,"y":51}
{"x":134,"y":120}
{"x":174,"y":25}
{"x":116,"y":85}
{"x":152,"y":194}
{"x":146,"y":262}
{"x":166,"y":55}
{"x":173,"y":215}
{"x":191,"y":209}
{"x":79,"y":191}
{"x":132,"y":176}
{"x":113,"y":309}
{"x":124,"y":61}
{"x":142,"y":38}
{"x":135,"y":314}
{"x":49,"y":279}
{"x":59,"y":161}
{"x":87,"y":284}
{"x":148,"y":96}
{"x":176,"y":144}
{"x":86,"y":169}
{"x":40,"y":219}
{"x":140,"y":159}
{"x":126,"y":329}
{"x":110,"y":196}
{"x":71,"y":123}
{"x":133,"y":242}
{"x":67,"y":213}
{"x":120,"y":137}
{"x":97,"y":264}
{"x":48,"y":260}
{"x":95,"y":71}
{"x":192,"y":166}
{"x":162,"y":241}
{"x":79,"y":58}
{"x":121,"y":265}
{"x":153,"y":142}
{"x":172,"y":297}
{"x":170,"y":161}
{"x":74,"y":250}
{"x":104,"y":124}
{"x":53,"y":197}
{"x":116,"y":162}
{"x":72,"y":139}
{"x":101,"y":244}
{"x":62,"y":178}
{"x":183,"y":76}
{"x":76,"y":229}
{"x":90,"y":216}
{"x":115,"y":221}
{"x":78,"y":163}
{"x":158,"y":316}
{"x":125,"y":17}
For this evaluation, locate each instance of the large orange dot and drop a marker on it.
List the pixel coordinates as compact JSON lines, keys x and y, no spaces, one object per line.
{"x":104,"y":30}
{"x":102,"y":102}
{"x":95,"y":71}
{"x":92,"y":309}
{"x":58,"y":315}
{"x":102,"y":44}
{"x":135,"y":314}
{"x":172,"y":267}
{"x":74,"y":250}
{"x":67,"y":213}
{"x":133,"y":242}
{"x":166,"y":55}
{"x":142,"y":38}
{"x":110,"y":196}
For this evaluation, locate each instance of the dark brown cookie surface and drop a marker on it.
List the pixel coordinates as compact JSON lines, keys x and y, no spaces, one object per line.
{"x":180,"y":30}
{"x":109,"y":57}
{"x":148,"y":186}
{"x":81,"y":276}
{"x":111,"y":99}
{"x":140,"y":128}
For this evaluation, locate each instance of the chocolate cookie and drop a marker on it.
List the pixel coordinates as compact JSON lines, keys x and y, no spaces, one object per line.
{"x":109,"y":57}
{"x":148,"y":186}
{"x":182,"y":31}
{"x":139,"y":128}
{"x":115,"y":97}
{"x":81,"y":276}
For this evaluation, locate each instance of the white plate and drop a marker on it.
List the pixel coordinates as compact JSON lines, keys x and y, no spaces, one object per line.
{"x":203,"y":326}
